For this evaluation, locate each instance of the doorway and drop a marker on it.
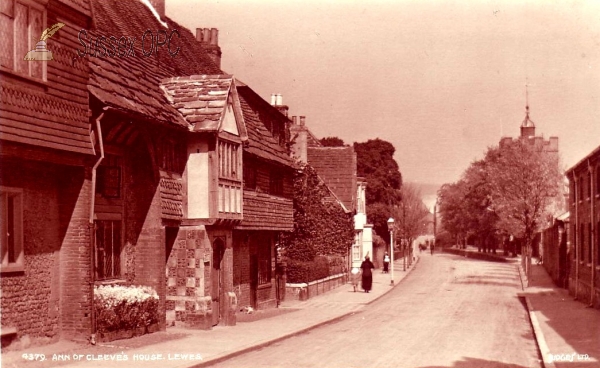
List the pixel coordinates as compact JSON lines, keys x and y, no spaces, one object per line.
{"x":216,"y":278}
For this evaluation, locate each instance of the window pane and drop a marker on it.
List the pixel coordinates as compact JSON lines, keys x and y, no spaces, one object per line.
{"x":10,"y":233}
{"x":7,"y":37}
{"x":36,"y":32}
{"x":22,"y":37}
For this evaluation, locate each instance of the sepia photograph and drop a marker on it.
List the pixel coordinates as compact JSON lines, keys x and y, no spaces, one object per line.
{"x":317,"y":183}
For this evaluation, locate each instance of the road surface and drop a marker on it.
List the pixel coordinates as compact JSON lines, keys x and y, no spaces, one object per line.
{"x":449,"y":312}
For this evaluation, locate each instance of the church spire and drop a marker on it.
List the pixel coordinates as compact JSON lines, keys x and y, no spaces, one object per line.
{"x":527,"y":126}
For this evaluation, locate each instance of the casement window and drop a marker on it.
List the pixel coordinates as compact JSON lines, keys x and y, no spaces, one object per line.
{"x":108,"y":249}
{"x":230,"y":178}
{"x":11,"y":207}
{"x":228,"y":160}
{"x":250,"y":177}
{"x":264,"y":264}
{"x":21,"y":26}
{"x":276,"y":183}
{"x":589,"y":184}
{"x":356,"y":247}
{"x":109,"y":177}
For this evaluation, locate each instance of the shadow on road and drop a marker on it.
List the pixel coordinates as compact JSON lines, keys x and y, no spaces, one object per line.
{"x":467,"y":362}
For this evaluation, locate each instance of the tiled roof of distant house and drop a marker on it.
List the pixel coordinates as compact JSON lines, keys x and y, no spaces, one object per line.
{"x":261,"y":142}
{"x":202,"y":100}
{"x":132,"y":83}
{"x":337,"y":167}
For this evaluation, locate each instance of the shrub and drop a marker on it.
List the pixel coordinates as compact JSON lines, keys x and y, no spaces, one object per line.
{"x":124,"y":307}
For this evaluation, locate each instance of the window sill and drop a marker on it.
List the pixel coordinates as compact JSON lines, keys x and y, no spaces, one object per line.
{"x":12,"y":268}
{"x":265,"y":286}
{"x":110,"y":282}
{"x":25,"y":78}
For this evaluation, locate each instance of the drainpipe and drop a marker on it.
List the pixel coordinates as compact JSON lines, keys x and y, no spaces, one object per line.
{"x":592,"y":231}
{"x":92,"y":230}
{"x":576,"y":236}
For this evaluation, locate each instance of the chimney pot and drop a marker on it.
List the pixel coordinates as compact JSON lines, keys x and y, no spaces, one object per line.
{"x":273,"y":99}
{"x":294,"y":120}
{"x":302,"y":120}
{"x":206,"y":38}
{"x":199,"y":34}
{"x":279,"y":99}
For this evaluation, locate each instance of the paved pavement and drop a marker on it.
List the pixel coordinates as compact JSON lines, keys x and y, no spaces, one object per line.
{"x":567,"y":331}
{"x":182,"y":348}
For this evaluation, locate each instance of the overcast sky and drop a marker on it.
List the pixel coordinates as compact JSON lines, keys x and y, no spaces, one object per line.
{"x":440,"y":80}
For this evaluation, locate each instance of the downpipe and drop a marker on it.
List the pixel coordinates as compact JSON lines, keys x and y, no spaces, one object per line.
{"x":92,"y":229}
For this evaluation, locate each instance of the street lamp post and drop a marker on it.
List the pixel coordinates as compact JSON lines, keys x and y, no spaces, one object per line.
{"x":390,"y":224}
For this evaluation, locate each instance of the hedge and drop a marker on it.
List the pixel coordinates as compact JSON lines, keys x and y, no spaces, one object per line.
{"x":320,"y":268}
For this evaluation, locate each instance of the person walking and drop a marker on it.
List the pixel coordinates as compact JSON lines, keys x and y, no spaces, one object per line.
{"x":367,"y":274}
{"x":386,"y":263}
{"x":431,"y":246}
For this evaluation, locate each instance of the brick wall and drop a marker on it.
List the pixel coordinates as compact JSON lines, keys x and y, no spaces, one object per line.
{"x":144,"y":230}
{"x":186,"y":280}
{"x":245,"y":246}
{"x":53,"y":215}
{"x":25,"y":298}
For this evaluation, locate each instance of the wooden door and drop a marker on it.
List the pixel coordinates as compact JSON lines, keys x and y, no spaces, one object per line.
{"x":216,"y":278}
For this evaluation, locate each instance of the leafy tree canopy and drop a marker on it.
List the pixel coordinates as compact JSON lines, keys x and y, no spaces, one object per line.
{"x":375,"y":162}
{"x":332,"y":142}
{"x":511,"y":191}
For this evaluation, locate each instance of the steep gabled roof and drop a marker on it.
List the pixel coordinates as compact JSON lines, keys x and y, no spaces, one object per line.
{"x":337,"y":167}
{"x":261,"y":142}
{"x":202,"y":101}
{"x":132,"y":82}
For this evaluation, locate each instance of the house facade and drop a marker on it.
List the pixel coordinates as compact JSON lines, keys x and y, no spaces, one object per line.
{"x":129,"y":170}
{"x":48,"y":149}
{"x":584,"y":232}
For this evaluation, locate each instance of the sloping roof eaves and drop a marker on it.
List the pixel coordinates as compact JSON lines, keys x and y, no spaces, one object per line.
{"x":132,"y":82}
{"x":260,"y":141}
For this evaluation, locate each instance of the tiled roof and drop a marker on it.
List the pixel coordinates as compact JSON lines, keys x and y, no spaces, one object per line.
{"x":202,"y":100}
{"x":132,"y":82}
{"x":337,"y":167}
{"x":260,"y":141}
{"x":81,"y":5}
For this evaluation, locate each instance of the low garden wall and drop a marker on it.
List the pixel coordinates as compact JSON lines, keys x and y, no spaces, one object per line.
{"x":476,"y":255}
{"x":304,"y":291}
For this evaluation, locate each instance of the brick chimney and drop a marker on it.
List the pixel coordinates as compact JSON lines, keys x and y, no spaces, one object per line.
{"x":209,"y":38}
{"x":159,"y":6}
{"x":277,"y":102}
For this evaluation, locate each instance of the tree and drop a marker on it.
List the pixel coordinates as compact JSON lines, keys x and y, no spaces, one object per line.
{"x":524,"y":181}
{"x":332,"y":142}
{"x":375,"y":162}
{"x":410,"y":215}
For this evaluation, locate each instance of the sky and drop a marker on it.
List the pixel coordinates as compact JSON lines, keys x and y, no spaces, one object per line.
{"x":440,"y":80}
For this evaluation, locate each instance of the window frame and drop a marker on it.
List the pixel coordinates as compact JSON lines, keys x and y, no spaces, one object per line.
{"x":276,"y":179}
{"x":264,"y":264}
{"x":112,"y":218}
{"x":18,"y":265}
{"x":13,"y":69}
